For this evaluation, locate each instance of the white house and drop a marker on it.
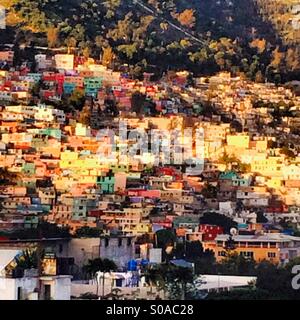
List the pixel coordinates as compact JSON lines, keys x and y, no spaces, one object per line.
{"x":30,"y":286}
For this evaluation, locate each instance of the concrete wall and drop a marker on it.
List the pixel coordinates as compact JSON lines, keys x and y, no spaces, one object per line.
{"x":141,"y":292}
{"x":121,"y":255}
{"x":84,"y":249}
{"x":9,"y":287}
{"x":60,"y":287}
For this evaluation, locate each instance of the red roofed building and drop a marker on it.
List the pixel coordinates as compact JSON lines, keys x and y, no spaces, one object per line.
{"x":210,"y":232}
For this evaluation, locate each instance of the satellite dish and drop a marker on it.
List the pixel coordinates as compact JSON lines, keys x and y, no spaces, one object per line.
{"x":233,"y":231}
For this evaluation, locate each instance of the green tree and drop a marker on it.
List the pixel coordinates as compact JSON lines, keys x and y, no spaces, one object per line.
{"x":77,"y":99}
{"x":164,"y":239}
{"x":219,"y":220}
{"x":287,"y":152}
{"x":87,"y":232}
{"x":209,"y":191}
{"x":99,"y":265}
{"x":8,"y":177}
{"x":27,"y":260}
{"x":235,"y":264}
{"x":52,"y":36}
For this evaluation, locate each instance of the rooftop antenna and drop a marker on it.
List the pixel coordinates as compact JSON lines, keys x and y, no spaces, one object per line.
{"x":233,"y":231}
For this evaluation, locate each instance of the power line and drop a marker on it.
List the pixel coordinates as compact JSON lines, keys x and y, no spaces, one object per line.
{"x":156,"y":14}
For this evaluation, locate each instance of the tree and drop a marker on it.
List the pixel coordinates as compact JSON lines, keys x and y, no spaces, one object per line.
{"x":292,"y":59}
{"x":209,"y":191}
{"x":186,"y":18}
{"x":71,"y":42}
{"x":176,"y":281}
{"x":85,"y":115}
{"x":137,"y":102}
{"x":261,"y":217}
{"x":86,"y":52}
{"x":272,"y":279}
{"x":128,"y":49}
{"x":8,"y":177}
{"x":179,"y":281}
{"x":99,"y":265}
{"x":287,"y":152}
{"x":154,"y":278}
{"x":77,"y":99}
{"x":243,"y":167}
{"x":87,"y":232}
{"x":228,"y":160}
{"x":206,"y":263}
{"x":219,"y":220}
{"x":236,"y":264}
{"x":108,"y":56}
{"x":27,"y":260}
{"x":276,"y":280}
{"x":43,"y":230}
{"x":52,"y":36}
{"x":277,"y":58}
{"x":165,"y":238}
{"x":259,"y":44}
{"x":88,"y":296}
{"x":194,"y":249}
{"x":111,"y":6}
{"x":259,"y":78}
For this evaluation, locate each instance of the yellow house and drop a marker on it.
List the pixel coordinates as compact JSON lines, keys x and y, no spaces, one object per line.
{"x":274,"y":182}
{"x":82,"y":130}
{"x":261,"y":145}
{"x":130,"y":221}
{"x":142,"y":228}
{"x":63,"y":183}
{"x":271,"y":166}
{"x":64,"y":61}
{"x":67,"y":159}
{"x":238,"y":141}
{"x":214,"y":132}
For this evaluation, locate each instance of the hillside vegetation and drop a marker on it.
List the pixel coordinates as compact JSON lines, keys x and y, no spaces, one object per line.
{"x":241,"y":36}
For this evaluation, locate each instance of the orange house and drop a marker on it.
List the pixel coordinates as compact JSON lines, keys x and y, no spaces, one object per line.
{"x":273,"y":247}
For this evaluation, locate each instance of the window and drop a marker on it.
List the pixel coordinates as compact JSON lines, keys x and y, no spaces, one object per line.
{"x":47,"y":292}
{"x":271,"y":255}
{"x":19,"y":293}
{"x":247,"y":254}
{"x":106,"y":242}
{"x":120,"y":242}
{"x":254,"y":244}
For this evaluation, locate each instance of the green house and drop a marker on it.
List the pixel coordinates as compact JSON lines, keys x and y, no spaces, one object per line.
{"x":107,"y":184}
{"x":31,"y":222}
{"x":29,"y":168}
{"x":79,"y":208}
{"x":228,"y":175}
{"x":186,"y":221}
